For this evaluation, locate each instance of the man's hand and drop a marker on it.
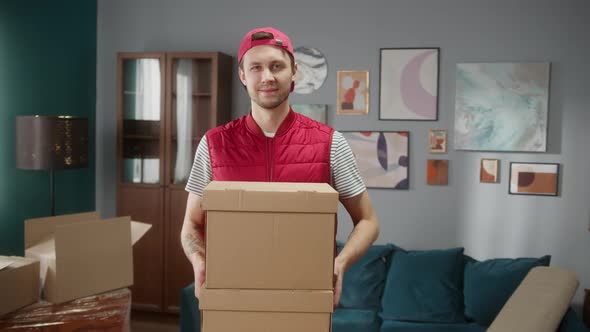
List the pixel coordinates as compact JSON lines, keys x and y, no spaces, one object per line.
{"x":199,"y":270}
{"x":338,"y":278}
{"x":365,"y":232}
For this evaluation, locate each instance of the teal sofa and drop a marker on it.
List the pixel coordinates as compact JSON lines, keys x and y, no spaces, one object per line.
{"x":395,"y":290}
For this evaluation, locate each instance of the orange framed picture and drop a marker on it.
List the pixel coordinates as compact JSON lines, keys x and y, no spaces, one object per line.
{"x":437,"y":172}
{"x":437,"y":140}
{"x":489,"y":170}
{"x":353,"y":92}
{"x":539,"y":179}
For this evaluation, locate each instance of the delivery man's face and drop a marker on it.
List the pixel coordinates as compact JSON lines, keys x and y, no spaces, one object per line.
{"x":267,"y":74}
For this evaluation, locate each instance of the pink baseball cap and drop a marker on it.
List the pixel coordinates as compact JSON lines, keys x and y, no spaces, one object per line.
{"x":278,"y":39}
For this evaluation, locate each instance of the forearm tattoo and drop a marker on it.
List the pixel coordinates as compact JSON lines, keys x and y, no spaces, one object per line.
{"x":192,"y":244}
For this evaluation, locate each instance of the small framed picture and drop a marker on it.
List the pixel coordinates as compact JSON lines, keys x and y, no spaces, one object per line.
{"x":437,"y":140}
{"x":314,"y":111}
{"x":353,"y":92}
{"x":488,"y":170}
{"x":540,"y":179}
{"x":437,"y":172}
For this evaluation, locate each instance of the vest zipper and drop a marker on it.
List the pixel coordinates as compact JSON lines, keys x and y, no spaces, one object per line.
{"x":270,"y":146}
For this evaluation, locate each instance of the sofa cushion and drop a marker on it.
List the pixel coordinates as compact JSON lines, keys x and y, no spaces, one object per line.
{"x":572,"y":323}
{"x":488,"y":284}
{"x":364,"y":281}
{"x":424,"y":286}
{"x":355,"y":320}
{"x":190,"y":318}
{"x":399,"y":326}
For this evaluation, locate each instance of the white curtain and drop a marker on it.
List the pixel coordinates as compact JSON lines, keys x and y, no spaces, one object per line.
{"x":184,"y":120}
{"x":147,"y":107}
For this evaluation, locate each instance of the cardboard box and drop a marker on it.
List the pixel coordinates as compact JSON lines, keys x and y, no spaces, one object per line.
{"x":265,"y":310}
{"x":82,"y":255}
{"x":270,"y":235}
{"x":19,"y":282}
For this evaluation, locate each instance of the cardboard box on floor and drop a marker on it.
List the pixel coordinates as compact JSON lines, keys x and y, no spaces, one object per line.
{"x":266,"y":310}
{"x":19,"y":282}
{"x":270,"y":235}
{"x":81,"y":254}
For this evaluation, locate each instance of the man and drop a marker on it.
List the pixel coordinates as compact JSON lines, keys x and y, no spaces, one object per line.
{"x":274,"y":144}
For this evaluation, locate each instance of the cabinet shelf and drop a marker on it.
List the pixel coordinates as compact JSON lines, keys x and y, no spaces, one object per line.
{"x":194,"y":139}
{"x":196,"y":94}
{"x":142,"y":137}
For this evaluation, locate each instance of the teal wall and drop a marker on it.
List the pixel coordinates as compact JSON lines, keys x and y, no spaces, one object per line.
{"x":47,"y":67}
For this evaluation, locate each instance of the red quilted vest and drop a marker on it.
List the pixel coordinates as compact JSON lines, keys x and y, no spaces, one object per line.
{"x":299,"y":152}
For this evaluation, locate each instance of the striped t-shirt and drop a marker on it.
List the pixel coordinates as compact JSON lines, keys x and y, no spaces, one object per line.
{"x":344,"y":174}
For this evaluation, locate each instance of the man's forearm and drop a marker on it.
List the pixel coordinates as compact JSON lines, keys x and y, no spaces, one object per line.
{"x":361,"y":238}
{"x":193,"y":242}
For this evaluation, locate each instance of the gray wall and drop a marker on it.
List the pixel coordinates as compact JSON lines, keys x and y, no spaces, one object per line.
{"x":481,"y":217}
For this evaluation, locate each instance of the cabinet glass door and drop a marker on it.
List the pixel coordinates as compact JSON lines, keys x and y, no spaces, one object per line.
{"x":191,"y":108}
{"x":142,"y":88}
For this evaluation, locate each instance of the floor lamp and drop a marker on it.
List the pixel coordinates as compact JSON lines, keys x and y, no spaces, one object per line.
{"x":51,"y":143}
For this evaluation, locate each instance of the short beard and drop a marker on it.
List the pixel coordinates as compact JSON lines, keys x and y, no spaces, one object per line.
{"x":271,"y":104}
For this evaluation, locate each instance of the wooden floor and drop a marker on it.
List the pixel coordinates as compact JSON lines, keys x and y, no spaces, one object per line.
{"x":154,"y":322}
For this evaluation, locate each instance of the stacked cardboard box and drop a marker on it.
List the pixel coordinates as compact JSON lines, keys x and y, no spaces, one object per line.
{"x":270,"y":256}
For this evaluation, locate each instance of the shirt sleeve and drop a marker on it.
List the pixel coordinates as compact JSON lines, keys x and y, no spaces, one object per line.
{"x":201,"y":173}
{"x":344,"y":172}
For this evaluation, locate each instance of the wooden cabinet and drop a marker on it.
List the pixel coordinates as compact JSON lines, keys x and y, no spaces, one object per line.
{"x":166,"y":103}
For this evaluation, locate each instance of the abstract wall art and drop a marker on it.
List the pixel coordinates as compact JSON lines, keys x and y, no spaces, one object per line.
{"x":533,"y":179}
{"x":314,"y":111}
{"x":382,"y":157}
{"x":437,"y":141}
{"x":501,"y":106}
{"x":488,"y":170}
{"x":437,"y":172}
{"x":353,"y":92}
{"x":409,"y":84}
{"x":312,"y":69}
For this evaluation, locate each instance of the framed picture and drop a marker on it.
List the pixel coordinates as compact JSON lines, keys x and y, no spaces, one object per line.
{"x":409,"y":84}
{"x":489,"y":170}
{"x":539,"y":179}
{"x":382,"y":157}
{"x":437,"y":172}
{"x":353,"y":92}
{"x":312,"y":69}
{"x":501,"y":106}
{"x":437,"y":140}
{"x":314,"y":111}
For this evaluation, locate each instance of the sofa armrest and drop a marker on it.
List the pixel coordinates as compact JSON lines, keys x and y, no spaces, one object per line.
{"x":539,"y":303}
{"x":571,"y":323}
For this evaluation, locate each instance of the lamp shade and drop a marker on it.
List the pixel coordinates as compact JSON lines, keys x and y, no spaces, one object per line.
{"x":51,"y":142}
